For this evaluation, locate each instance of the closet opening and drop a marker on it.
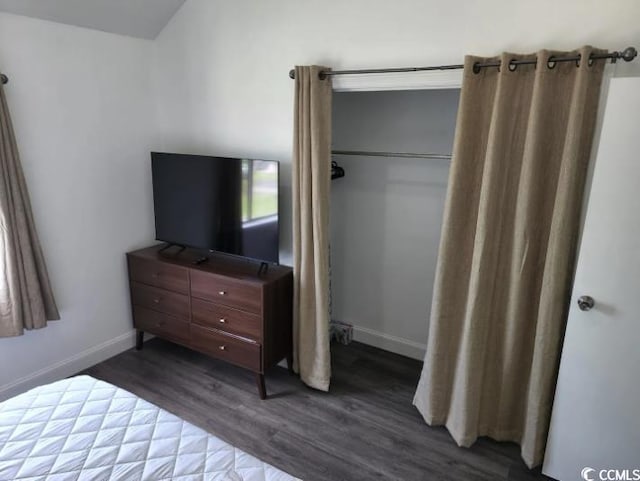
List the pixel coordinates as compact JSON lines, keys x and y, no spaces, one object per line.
{"x":394,"y":150}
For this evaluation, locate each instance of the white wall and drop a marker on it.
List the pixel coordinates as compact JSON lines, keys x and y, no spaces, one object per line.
{"x":386,"y":213}
{"x":82,"y":113}
{"x":221,"y":67}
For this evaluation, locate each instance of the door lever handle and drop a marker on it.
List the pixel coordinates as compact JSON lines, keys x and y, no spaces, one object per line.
{"x":586,"y":303}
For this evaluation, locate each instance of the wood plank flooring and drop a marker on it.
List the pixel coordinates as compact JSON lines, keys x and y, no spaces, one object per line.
{"x":364,"y":429}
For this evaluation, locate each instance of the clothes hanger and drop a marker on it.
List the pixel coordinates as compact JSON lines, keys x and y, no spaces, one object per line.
{"x":336,"y":170}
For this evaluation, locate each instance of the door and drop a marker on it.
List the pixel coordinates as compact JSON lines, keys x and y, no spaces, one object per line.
{"x":595,"y":424}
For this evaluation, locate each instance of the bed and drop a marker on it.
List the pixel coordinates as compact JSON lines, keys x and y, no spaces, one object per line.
{"x":85,"y":429}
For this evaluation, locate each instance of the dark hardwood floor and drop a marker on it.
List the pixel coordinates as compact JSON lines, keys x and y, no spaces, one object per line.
{"x":364,"y":429}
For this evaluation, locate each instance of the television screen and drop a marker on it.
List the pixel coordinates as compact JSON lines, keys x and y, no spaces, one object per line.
{"x":217,"y":203}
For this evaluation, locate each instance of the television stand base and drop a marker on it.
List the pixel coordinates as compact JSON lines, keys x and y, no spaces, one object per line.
{"x":201,"y":260}
{"x":170,"y":245}
{"x":263,"y":269}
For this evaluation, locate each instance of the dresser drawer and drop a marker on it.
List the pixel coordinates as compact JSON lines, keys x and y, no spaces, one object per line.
{"x":160,"y":300}
{"x":163,"y":325}
{"x":225,"y":347}
{"x":159,"y":274}
{"x":246,"y":296}
{"x":241,"y":323}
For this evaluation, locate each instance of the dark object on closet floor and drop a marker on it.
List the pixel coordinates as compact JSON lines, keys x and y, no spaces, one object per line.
{"x":365,"y":428}
{"x":336,"y":170}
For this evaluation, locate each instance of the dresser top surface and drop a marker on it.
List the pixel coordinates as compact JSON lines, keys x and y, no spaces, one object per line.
{"x":224,"y":265}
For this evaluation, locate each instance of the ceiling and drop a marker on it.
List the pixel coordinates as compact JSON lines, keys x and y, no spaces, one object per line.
{"x":136,"y":18}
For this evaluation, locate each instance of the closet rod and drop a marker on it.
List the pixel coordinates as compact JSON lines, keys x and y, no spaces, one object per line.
{"x":408,"y":155}
{"x":628,"y":54}
{"x":3,"y":78}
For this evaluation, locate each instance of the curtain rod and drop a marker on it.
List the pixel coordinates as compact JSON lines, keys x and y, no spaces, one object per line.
{"x":3,"y":78}
{"x":628,"y":54}
{"x":408,"y":155}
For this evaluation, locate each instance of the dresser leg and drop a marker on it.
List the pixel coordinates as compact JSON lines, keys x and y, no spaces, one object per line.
{"x":261,"y":387}
{"x":139,"y":339}
{"x":290,"y":363}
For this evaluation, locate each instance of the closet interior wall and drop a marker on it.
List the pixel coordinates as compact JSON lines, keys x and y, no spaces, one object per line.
{"x":386,"y":213}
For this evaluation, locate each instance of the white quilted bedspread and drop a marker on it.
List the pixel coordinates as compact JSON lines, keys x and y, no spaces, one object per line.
{"x":84,"y":429}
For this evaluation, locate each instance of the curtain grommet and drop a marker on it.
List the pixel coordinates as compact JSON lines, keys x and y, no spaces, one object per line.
{"x":551,"y":64}
{"x":476,"y":68}
{"x":512,"y":66}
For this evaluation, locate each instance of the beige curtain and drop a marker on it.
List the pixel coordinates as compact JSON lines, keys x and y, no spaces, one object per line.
{"x":26,"y":298}
{"x":311,"y":176}
{"x":505,"y":267}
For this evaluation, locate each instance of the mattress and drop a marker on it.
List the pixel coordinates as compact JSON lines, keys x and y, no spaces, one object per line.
{"x":85,"y":429}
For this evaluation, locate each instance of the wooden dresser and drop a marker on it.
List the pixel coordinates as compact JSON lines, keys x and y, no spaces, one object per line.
{"x":222,"y":308}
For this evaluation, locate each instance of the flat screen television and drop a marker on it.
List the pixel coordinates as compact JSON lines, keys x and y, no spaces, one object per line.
{"x":217,"y":203}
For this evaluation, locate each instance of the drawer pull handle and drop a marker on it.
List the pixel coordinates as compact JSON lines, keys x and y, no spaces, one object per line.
{"x":222,"y":293}
{"x":222,"y":320}
{"x":157,"y":301}
{"x":222,"y":348}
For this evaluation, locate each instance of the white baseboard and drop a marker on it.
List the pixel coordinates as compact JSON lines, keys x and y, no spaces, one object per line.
{"x":398,"y":345}
{"x":70,"y":366}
